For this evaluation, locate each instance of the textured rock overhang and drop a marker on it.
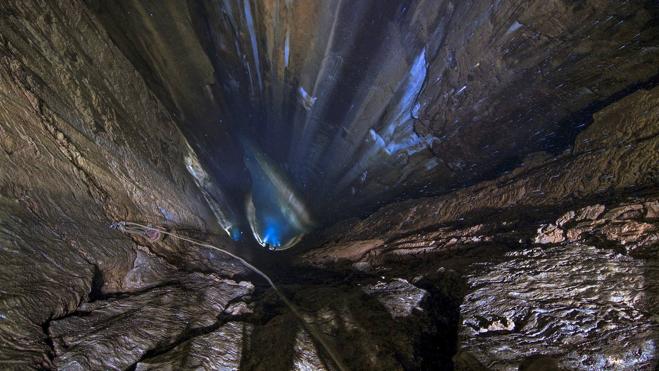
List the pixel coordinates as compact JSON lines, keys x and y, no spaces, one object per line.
{"x":369,"y":101}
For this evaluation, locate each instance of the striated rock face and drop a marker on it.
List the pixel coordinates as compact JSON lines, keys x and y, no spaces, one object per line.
{"x":530,"y":126}
{"x":624,"y":159}
{"x":579,"y":293}
{"x":117,"y":333}
{"x":558,"y":258}
{"x":580,"y":306}
{"x":220,"y":349}
{"x":78,"y":121}
{"x":363,"y":102}
{"x":630,"y":226}
{"x":83,"y":142}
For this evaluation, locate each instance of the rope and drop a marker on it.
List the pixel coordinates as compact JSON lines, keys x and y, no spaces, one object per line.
{"x":140,"y":229}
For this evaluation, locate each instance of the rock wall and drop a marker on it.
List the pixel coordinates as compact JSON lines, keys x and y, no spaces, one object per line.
{"x":366,"y":102}
{"x":555,"y":260}
{"x":83,"y":142}
{"x":617,"y":154}
{"x":86,"y":143}
{"x":554,"y":264}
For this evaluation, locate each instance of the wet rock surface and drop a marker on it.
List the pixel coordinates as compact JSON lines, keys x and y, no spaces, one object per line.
{"x":400,"y":297}
{"x":550,"y":264}
{"x":83,"y":142}
{"x":614,"y":164}
{"x":364,"y":102}
{"x":581,"y":306}
{"x":218,"y":350}
{"x":117,"y":333}
{"x":537,"y":281}
{"x":577,"y":293}
{"x":627,"y":226}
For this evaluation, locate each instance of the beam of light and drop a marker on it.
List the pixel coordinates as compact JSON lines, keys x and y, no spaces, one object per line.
{"x":215,"y":198}
{"x":277,"y":216}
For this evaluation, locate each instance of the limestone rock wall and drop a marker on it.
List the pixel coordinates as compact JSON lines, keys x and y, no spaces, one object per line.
{"x":616,"y":154}
{"x":550,"y":266}
{"x":83,"y":142}
{"x":366,"y":102}
{"x":555,"y":259}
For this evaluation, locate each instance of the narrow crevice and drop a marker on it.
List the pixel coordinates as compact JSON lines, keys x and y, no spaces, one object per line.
{"x":189,"y":334}
{"x":437,"y":345}
{"x":45,"y":327}
{"x":575,"y":123}
{"x":96,"y":291}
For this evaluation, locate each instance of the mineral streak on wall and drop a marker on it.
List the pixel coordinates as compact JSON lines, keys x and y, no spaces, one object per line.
{"x":364,"y":101}
{"x":220,"y":205}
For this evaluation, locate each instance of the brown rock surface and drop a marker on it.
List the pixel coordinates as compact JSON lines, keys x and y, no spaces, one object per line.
{"x":614,"y":166}
{"x":83,"y":142}
{"x":218,"y":350}
{"x":118,"y":332}
{"x":582,"y":306}
{"x":553,"y":263}
{"x":549,"y":234}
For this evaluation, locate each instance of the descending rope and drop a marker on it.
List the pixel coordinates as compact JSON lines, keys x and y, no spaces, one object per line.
{"x":151,"y":233}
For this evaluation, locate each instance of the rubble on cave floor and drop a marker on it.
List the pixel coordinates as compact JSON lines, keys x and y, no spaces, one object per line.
{"x":577,"y":291}
{"x":580,"y":306}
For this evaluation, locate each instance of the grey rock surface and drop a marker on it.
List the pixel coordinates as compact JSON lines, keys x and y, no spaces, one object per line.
{"x":399,"y":296}
{"x":546,"y":255}
{"x":306,"y":355}
{"x":583,"y":307}
{"x":117,"y":333}
{"x":218,"y":350}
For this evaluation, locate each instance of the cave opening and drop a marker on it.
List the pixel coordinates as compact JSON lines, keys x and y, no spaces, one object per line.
{"x":329,"y":185}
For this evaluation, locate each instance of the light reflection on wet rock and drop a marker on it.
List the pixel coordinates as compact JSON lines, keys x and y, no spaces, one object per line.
{"x":218,"y":350}
{"x":116,"y":333}
{"x":585,"y":307}
{"x":306,"y":354}
{"x":399,"y":297}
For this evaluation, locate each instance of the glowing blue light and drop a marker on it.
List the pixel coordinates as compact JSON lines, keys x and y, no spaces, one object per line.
{"x":272,"y":232}
{"x":398,"y":134}
{"x":276,"y":215}
{"x":287,"y":46}
{"x":235,"y":233}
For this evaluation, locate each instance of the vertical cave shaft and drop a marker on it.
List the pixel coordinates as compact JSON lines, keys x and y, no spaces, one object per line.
{"x":437,"y":185}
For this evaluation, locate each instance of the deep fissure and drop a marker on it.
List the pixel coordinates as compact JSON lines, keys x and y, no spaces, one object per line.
{"x":295,"y":185}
